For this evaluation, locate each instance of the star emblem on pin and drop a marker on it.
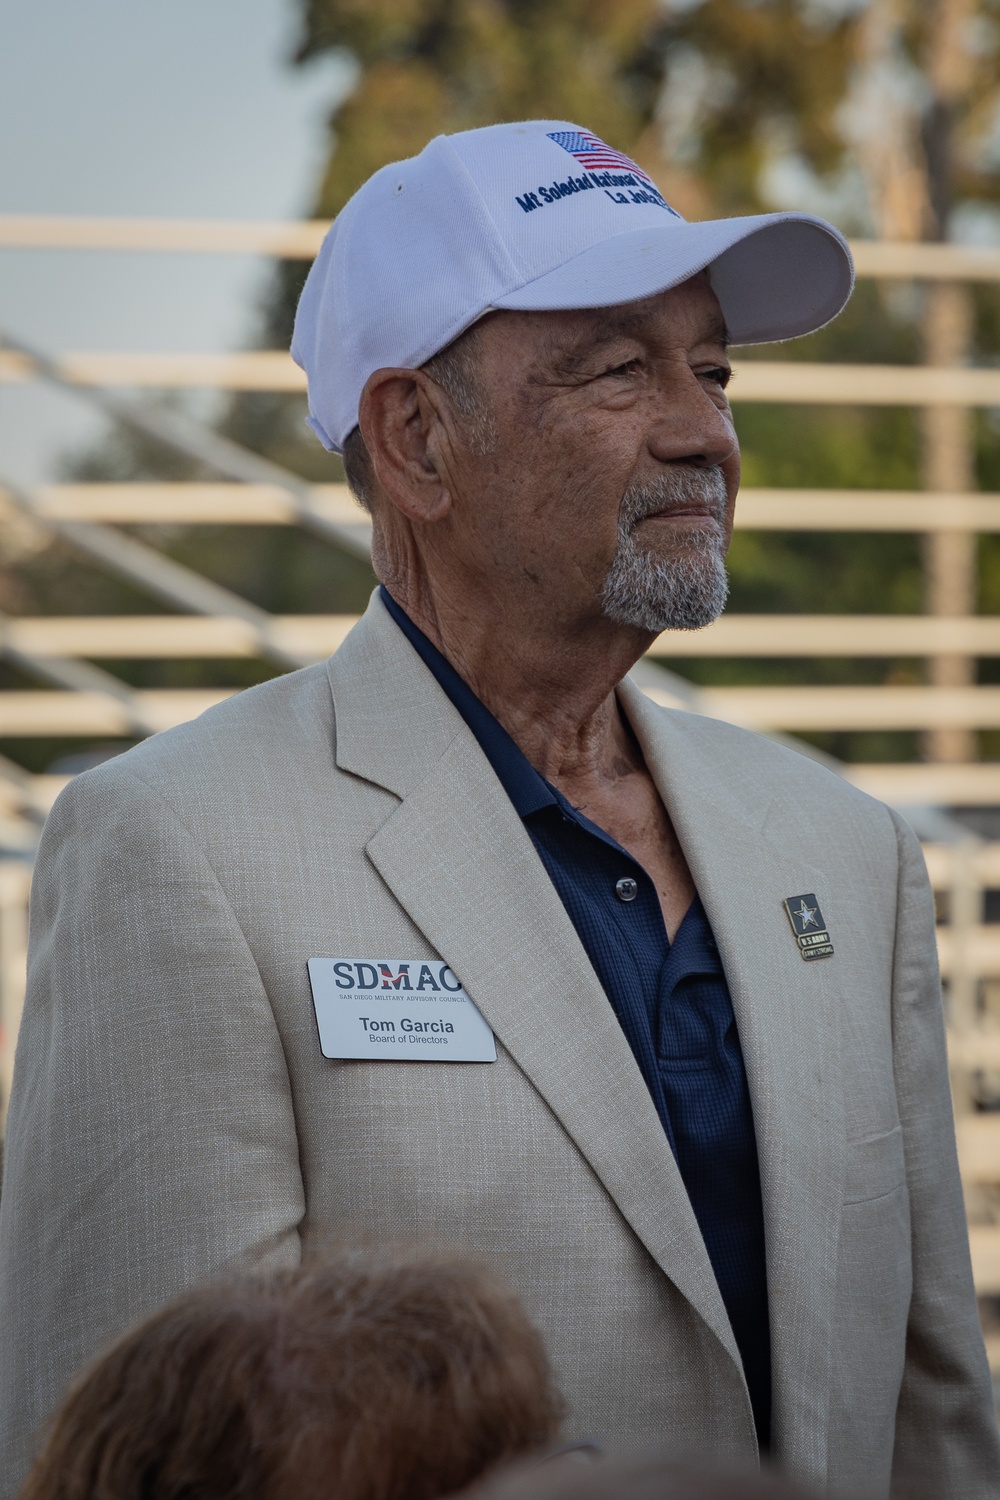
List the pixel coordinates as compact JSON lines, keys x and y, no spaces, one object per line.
{"x":809,"y":926}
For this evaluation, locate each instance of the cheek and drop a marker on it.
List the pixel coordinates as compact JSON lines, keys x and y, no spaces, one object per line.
{"x":558,"y":489}
{"x":580,"y":478}
{"x":577,"y":514}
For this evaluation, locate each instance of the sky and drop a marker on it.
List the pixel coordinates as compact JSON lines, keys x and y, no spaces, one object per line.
{"x":185,"y":109}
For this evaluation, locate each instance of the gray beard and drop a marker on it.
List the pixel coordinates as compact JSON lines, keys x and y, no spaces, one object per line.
{"x":685,"y":592}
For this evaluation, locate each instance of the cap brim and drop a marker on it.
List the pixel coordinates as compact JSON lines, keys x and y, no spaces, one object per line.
{"x":776,"y":276}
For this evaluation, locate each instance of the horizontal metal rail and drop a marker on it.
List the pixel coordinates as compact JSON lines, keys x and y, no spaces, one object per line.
{"x":108,"y":700}
{"x":902,"y":785}
{"x":863,"y":385}
{"x":67,"y":671}
{"x":795,"y":709}
{"x":97,"y":712}
{"x":252,"y":370}
{"x":980,"y":954}
{"x":755,"y":381}
{"x":295,"y":240}
{"x":195,"y":503}
{"x":921,"y":784}
{"x":851,"y":708}
{"x":92,"y":702}
{"x":313,"y":637}
{"x":301,"y":239}
{"x":42,"y":713}
{"x":735,"y":635}
{"x":865,"y":510}
{"x":182,"y":434}
{"x":274,"y":370}
{"x":303,"y":638}
{"x":945,"y":863}
{"x":159,"y":575}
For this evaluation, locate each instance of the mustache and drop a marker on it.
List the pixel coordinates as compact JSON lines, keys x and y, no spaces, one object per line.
{"x":677,"y":487}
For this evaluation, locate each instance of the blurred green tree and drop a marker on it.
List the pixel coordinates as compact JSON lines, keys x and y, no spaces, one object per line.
{"x":700,"y":94}
{"x":428,"y":66}
{"x":432,"y":66}
{"x":850,"y":107}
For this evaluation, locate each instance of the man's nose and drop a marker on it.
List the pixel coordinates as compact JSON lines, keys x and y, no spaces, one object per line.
{"x":689,"y":426}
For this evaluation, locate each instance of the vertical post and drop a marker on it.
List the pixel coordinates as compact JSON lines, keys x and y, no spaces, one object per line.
{"x":948,"y":466}
{"x":14,"y":882}
{"x":964,"y":918}
{"x":948,"y":453}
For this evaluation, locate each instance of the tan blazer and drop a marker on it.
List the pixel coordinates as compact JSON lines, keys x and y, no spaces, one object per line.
{"x":172,"y":1112}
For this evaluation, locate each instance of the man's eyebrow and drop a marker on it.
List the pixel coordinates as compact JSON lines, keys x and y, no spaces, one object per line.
{"x":606,"y":330}
{"x":577,"y":348}
{"x":718,"y":333}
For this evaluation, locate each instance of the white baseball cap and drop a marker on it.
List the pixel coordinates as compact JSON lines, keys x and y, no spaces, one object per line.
{"x":536,"y":216}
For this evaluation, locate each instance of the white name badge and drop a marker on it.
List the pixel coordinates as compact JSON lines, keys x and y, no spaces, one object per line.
{"x":407,"y":1009}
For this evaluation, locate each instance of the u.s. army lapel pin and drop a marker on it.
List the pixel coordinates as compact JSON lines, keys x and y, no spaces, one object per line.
{"x":808,"y":926}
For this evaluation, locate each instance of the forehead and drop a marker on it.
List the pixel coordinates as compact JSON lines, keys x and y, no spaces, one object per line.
{"x":689,"y":311}
{"x":688,"y":315}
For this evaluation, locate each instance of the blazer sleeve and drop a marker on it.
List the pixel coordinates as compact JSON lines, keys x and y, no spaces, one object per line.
{"x":946,"y":1427}
{"x":151,"y":1139}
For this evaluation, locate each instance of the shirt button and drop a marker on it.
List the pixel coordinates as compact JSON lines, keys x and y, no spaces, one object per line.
{"x":626,"y":889}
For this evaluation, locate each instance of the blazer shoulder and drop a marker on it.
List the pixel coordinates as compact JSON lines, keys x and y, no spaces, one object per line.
{"x":725,"y":741}
{"x":244,"y":741}
{"x":771,"y":766}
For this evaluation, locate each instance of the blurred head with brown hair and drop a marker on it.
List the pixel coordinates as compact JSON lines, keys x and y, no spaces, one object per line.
{"x":371,"y":1375}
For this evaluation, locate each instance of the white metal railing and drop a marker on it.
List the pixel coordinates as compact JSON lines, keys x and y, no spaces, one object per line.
{"x":95,"y":702}
{"x":198,"y":503}
{"x":755,"y":381}
{"x":91,"y":701}
{"x":301,"y":241}
{"x":317,"y":636}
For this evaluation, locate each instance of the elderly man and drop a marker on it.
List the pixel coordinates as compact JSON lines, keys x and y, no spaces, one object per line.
{"x":458,"y":935}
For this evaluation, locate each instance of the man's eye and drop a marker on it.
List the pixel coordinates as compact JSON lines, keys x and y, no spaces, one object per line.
{"x":628,"y":368}
{"x":720,"y":375}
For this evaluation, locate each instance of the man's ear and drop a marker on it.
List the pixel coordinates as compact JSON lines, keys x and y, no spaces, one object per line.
{"x":400,"y":419}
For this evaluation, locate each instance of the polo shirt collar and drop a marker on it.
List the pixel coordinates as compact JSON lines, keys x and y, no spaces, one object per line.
{"x":526,"y":788}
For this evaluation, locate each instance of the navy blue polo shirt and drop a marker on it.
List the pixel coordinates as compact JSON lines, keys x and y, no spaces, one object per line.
{"x":673,"y":1004}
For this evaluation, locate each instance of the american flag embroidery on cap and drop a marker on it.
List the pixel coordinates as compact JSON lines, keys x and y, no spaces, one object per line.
{"x":592,"y":153}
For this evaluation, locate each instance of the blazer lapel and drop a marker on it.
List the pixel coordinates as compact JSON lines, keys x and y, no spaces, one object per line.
{"x":458,"y":859}
{"x":787,"y":1015}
